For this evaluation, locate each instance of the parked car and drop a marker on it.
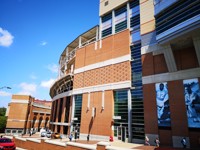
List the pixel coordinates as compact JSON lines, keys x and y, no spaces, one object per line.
{"x":7,"y":144}
{"x":43,"y":134}
{"x":48,"y":134}
{"x":55,"y":136}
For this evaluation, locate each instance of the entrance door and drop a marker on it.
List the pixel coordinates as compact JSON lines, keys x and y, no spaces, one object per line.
{"x":121,"y":133}
{"x":76,"y":132}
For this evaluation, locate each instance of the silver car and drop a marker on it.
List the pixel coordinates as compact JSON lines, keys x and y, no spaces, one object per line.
{"x":43,"y":134}
{"x":48,"y":134}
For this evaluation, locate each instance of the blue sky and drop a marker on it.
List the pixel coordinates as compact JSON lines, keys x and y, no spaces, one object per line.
{"x":33,"y":34}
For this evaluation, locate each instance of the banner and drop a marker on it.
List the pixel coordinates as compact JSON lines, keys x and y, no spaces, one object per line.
{"x":162,"y":100}
{"x":192,"y":102}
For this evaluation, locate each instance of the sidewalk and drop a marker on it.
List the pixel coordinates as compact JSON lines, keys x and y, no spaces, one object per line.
{"x":115,"y":143}
{"x":119,"y":144}
{"x":132,"y":145}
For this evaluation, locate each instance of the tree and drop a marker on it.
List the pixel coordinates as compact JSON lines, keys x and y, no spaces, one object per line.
{"x":2,"y":119}
{"x":2,"y":111}
{"x":2,"y":124}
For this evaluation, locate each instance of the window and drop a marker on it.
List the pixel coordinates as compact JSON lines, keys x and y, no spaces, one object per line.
{"x":135,"y":36}
{"x":121,"y":109}
{"x":120,"y":19}
{"x":107,"y":25}
{"x":176,"y":14}
{"x":121,"y":106}
{"x":77,"y":109}
{"x":134,"y":14}
{"x":106,"y":3}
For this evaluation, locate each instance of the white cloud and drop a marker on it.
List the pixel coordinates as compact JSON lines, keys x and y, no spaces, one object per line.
{"x":47,"y":84}
{"x":3,"y":93}
{"x":6,"y":38}
{"x":28,"y":88}
{"x":32,"y":76}
{"x":53,"y":68}
{"x":43,"y":43}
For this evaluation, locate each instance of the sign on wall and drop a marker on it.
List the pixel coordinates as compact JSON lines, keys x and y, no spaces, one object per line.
{"x":162,"y":101}
{"x":192,"y":102}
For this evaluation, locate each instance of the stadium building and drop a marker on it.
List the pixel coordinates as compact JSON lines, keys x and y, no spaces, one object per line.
{"x":135,"y":74}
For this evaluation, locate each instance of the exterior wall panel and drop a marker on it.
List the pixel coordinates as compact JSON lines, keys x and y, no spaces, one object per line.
{"x":165,"y":137}
{"x":112,"y":47}
{"x":147,"y":19}
{"x":111,"y":5}
{"x":105,"y":75}
{"x":160,"y":65}
{"x":186,"y":58}
{"x":147,"y":64}
{"x":80,"y":53}
{"x":177,"y":106}
{"x":121,"y":44}
{"x":148,"y":27}
{"x":148,"y":39}
{"x":150,"y":111}
{"x":15,"y":124}
{"x":101,"y":123}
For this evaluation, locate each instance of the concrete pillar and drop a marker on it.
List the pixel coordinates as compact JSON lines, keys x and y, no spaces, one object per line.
{"x":128,"y":16}
{"x":113,"y":22}
{"x":196,"y":41}
{"x":53,"y":112}
{"x":100,"y":33}
{"x":63,"y":114}
{"x":169,"y":58}
{"x":97,"y":34}
{"x":72,"y":112}
{"x":63,"y":110}
{"x":37,"y":121}
{"x":57,"y":113}
{"x":67,"y":54}
{"x":129,"y":116}
{"x":79,"y":42}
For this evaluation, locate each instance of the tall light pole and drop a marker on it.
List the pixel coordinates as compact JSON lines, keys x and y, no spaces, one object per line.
{"x":5,"y":87}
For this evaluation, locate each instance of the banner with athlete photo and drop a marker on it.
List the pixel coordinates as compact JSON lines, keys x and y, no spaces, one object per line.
{"x":192,"y":102}
{"x":162,"y":100}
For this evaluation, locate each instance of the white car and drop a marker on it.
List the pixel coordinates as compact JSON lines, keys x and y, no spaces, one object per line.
{"x":48,"y":134}
{"x":43,"y":134}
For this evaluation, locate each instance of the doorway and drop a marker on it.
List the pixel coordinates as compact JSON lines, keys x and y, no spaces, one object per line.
{"x":121,"y":133}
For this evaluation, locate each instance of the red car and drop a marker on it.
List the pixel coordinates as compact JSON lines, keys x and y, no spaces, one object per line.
{"x":7,"y":144}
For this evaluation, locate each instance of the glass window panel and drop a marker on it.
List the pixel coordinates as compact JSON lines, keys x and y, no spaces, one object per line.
{"x":135,"y":36}
{"x":120,"y":18}
{"x":107,"y":24}
{"x":134,"y":11}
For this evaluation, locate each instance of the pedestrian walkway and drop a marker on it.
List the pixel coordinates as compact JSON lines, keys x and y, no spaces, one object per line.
{"x":115,"y":143}
{"x":132,"y":145}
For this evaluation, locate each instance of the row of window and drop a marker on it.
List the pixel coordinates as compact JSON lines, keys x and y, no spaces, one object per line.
{"x":120,"y":20}
{"x":176,"y":14}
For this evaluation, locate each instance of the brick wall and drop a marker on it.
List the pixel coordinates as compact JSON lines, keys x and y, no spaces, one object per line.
{"x":34,"y":144}
{"x":102,"y":122}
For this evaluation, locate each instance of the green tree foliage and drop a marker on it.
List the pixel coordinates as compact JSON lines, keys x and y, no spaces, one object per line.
{"x":2,"y":111}
{"x":2,"y":119}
